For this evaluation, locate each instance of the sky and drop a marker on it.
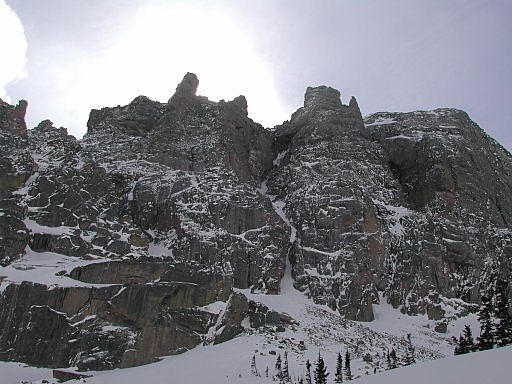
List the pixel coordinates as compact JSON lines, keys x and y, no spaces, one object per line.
{"x":68,"y":56}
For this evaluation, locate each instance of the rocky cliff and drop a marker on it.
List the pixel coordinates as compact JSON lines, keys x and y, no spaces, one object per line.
{"x":135,"y":241}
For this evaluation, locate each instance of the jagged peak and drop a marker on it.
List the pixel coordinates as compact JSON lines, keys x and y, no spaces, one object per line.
{"x":322,"y":97}
{"x":188,"y":85}
{"x":45,"y":124}
{"x":141,"y":99}
{"x":12,"y":118}
{"x":47,"y":127}
{"x":353,"y":103}
{"x":185,"y":94}
{"x":241,"y":102}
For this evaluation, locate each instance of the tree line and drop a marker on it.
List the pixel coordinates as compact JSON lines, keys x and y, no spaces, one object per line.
{"x":320,"y":373}
{"x":495,"y":320}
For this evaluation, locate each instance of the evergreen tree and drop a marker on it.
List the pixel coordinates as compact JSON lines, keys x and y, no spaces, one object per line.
{"x":465,"y":344}
{"x":460,"y":346}
{"x":388,"y":360}
{"x":503,"y":332}
{"x":339,"y":369}
{"x":266,"y":372}
{"x":254,"y":370}
{"x":279,"y":369}
{"x":308,"y":372}
{"x":286,"y":372}
{"x":468,"y":335}
{"x":393,"y":359}
{"x":456,"y":349}
{"x":348,"y":372}
{"x":486,"y":338}
{"x":409,"y":354}
{"x":321,"y":371}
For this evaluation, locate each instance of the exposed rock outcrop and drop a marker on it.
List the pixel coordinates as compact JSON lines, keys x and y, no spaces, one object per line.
{"x":239,"y":309}
{"x":128,"y":323}
{"x":162,"y":209}
{"x":16,"y":167}
{"x":12,"y":118}
{"x":185,"y":95}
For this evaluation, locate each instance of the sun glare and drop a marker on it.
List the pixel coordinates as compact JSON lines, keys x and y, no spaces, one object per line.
{"x":157,"y":46}
{"x":14,"y":46}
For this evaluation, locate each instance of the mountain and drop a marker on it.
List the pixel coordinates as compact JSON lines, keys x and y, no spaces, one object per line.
{"x":180,"y":224}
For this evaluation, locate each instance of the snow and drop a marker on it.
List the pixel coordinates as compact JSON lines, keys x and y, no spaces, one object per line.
{"x":159,"y":250}
{"x":14,"y":373}
{"x":391,"y":321}
{"x":474,"y":368}
{"x":333,"y":254}
{"x":112,"y":328}
{"x":279,"y":209}
{"x":278,"y":206}
{"x":415,"y":136}
{"x":318,"y":328}
{"x":220,"y":364}
{"x":230,"y":363}
{"x":381,"y":121}
{"x":395,"y":216}
{"x":279,"y":158}
{"x":216,"y":307}
{"x":34,"y":227}
{"x":41,"y":268}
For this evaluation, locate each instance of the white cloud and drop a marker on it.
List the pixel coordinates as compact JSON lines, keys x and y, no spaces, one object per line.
{"x":14,"y":48}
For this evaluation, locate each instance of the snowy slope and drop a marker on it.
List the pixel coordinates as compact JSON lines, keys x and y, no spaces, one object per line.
{"x":224,"y":364}
{"x":475,"y":368}
{"x":320,"y":329}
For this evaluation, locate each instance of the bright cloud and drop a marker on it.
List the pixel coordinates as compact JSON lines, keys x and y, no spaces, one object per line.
{"x":154,"y":49}
{"x":14,"y":48}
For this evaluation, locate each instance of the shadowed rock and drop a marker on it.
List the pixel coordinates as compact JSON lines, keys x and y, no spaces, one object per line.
{"x":185,"y":95}
{"x":12,"y":119}
{"x":322,"y":97}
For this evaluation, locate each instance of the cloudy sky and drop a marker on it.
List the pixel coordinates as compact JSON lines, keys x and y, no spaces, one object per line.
{"x":68,"y":56}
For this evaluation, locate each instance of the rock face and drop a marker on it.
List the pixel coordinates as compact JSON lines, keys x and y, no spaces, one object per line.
{"x":16,"y":166}
{"x":395,"y":204}
{"x":146,"y":225}
{"x":119,"y":325}
{"x":12,"y":118}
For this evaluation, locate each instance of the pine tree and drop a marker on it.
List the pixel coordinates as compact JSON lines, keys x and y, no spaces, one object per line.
{"x":266,"y":372}
{"x":339,"y":369}
{"x":392,"y":357}
{"x":503,"y":332}
{"x":486,"y":338}
{"x":308,"y":372}
{"x":286,"y":372}
{"x":388,"y":360}
{"x":279,"y":369}
{"x":409,"y":355}
{"x":456,"y":350}
{"x":468,"y":337}
{"x":321,"y":371}
{"x":254,"y":370}
{"x":465,"y":343}
{"x":348,"y":372}
{"x":460,"y":346}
